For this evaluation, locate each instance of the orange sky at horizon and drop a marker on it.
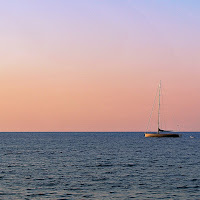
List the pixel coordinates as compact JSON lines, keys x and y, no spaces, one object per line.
{"x":95,"y":66}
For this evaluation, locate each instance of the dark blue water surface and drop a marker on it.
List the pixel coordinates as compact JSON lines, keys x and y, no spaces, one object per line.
{"x":99,"y":166}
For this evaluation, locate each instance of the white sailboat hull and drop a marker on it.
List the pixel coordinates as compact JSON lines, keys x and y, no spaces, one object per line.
{"x":162,"y":135}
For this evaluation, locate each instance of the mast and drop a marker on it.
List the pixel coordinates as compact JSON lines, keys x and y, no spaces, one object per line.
{"x":159,"y":108}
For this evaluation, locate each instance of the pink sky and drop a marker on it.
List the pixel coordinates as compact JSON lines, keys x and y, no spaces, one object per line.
{"x":95,"y":65}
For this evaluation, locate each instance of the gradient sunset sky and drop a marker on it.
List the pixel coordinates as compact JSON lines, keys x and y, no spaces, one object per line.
{"x":94,"y":65}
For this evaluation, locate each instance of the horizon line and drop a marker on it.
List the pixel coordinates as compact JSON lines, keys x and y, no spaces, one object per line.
{"x":89,"y":131}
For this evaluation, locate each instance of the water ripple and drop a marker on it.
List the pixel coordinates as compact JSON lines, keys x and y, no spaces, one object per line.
{"x":98,"y":166}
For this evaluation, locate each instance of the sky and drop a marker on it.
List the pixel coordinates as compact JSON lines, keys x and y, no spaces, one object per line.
{"x":95,"y":65}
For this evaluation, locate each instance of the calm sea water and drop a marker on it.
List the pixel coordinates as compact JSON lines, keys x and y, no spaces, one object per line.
{"x":99,"y":166}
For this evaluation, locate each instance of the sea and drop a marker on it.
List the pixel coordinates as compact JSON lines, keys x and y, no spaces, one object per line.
{"x":99,"y":165}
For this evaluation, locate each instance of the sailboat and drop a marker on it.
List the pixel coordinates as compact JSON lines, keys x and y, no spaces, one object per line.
{"x":161,"y":132}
